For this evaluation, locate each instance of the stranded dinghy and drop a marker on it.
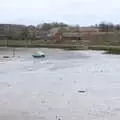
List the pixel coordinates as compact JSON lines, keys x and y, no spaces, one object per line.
{"x":38,"y":55}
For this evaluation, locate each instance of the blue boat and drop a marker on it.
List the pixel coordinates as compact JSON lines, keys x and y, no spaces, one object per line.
{"x":38,"y":55}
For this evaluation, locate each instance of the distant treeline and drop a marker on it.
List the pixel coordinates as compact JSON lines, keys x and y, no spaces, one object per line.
{"x":41,"y":31}
{"x":48,"y":26}
{"x":108,"y":27}
{"x":103,"y":26}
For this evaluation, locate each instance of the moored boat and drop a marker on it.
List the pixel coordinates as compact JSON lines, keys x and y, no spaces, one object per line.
{"x":38,"y":55}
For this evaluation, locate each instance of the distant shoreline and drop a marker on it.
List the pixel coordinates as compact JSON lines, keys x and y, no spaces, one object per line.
{"x":107,"y":49}
{"x":111,"y":49}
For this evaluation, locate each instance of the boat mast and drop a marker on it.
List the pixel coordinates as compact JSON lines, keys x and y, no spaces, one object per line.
{"x":13,"y":52}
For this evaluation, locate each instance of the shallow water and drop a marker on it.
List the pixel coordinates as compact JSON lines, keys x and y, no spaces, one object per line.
{"x":48,"y":89}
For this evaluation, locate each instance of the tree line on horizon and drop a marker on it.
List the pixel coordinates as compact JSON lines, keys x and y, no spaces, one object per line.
{"x":103,"y":26}
{"x":108,"y":27}
{"x":47,"y":26}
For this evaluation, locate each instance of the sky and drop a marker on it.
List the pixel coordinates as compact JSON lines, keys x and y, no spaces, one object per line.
{"x":82,"y":12}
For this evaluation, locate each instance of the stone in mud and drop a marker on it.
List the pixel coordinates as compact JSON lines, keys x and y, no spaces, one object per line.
{"x":82,"y":91}
{"x":6,"y":57}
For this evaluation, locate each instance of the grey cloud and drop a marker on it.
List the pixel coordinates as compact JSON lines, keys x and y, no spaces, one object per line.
{"x":70,"y":11}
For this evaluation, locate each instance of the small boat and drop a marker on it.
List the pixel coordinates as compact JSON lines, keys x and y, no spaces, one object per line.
{"x":6,"y":56}
{"x":38,"y":55}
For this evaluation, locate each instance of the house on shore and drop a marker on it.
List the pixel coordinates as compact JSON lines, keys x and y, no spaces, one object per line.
{"x":11,"y":31}
{"x":63,"y":33}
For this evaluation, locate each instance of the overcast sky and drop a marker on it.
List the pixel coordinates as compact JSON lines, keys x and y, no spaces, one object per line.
{"x":83,"y":12}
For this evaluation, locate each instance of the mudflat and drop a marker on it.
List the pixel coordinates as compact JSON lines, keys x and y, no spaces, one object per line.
{"x":65,"y":85}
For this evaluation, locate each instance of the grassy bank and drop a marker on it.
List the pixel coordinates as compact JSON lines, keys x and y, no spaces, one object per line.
{"x":108,"y":49}
{"x":37,"y":43}
{"x":23,"y":43}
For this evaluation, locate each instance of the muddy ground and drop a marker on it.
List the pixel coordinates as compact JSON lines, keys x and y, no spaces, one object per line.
{"x":66,"y":85}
